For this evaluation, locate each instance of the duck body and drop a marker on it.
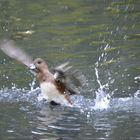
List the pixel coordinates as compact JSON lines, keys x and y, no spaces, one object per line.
{"x":54,"y":86}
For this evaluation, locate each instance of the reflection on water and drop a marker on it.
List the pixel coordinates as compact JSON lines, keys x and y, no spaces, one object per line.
{"x":100,"y":38}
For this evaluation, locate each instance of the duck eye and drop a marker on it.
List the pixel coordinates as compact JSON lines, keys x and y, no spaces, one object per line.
{"x":39,"y":62}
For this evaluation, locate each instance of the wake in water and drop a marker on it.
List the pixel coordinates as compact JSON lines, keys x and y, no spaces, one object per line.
{"x":102,"y":101}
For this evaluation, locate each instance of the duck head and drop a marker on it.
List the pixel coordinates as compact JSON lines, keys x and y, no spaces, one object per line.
{"x":38,"y":65}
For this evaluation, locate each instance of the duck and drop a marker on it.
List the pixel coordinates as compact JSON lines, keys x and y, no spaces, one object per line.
{"x":56,"y":85}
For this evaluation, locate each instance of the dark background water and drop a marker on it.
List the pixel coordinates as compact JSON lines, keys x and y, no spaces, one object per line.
{"x":95,"y":36}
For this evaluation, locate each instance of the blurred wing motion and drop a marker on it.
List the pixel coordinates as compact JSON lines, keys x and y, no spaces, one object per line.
{"x":72,"y":80}
{"x":9,"y":48}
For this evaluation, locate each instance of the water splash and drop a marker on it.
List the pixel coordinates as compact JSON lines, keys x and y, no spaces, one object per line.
{"x":32,"y":85}
{"x":102,"y":98}
{"x":101,"y":102}
{"x":137,"y":94}
{"x":18,"y":95}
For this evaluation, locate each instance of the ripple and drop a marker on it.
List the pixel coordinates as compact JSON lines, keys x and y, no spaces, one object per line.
{"x":63,"y":128}
{"x":37,"y":133}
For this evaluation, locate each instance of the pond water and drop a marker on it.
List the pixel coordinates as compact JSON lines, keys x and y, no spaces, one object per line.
{"x":101,"y":39}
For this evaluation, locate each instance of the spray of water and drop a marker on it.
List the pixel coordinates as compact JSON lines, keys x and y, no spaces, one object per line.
{"x":102,"y":98}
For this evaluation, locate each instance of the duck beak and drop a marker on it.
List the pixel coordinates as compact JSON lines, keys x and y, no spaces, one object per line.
{"x":33,"y":69}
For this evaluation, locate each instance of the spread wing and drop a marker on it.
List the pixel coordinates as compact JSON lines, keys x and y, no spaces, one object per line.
{"x":71,"y":79}
{"x":9,"y":48}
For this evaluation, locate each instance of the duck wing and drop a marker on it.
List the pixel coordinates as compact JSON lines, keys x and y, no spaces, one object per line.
{"x":10,"y":49}
{"x":71,"y":79}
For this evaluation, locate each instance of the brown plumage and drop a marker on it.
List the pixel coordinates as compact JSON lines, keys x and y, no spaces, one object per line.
{"x":59,"y":82}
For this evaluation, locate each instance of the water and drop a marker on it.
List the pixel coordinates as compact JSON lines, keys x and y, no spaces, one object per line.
{"x":100,"y":38}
